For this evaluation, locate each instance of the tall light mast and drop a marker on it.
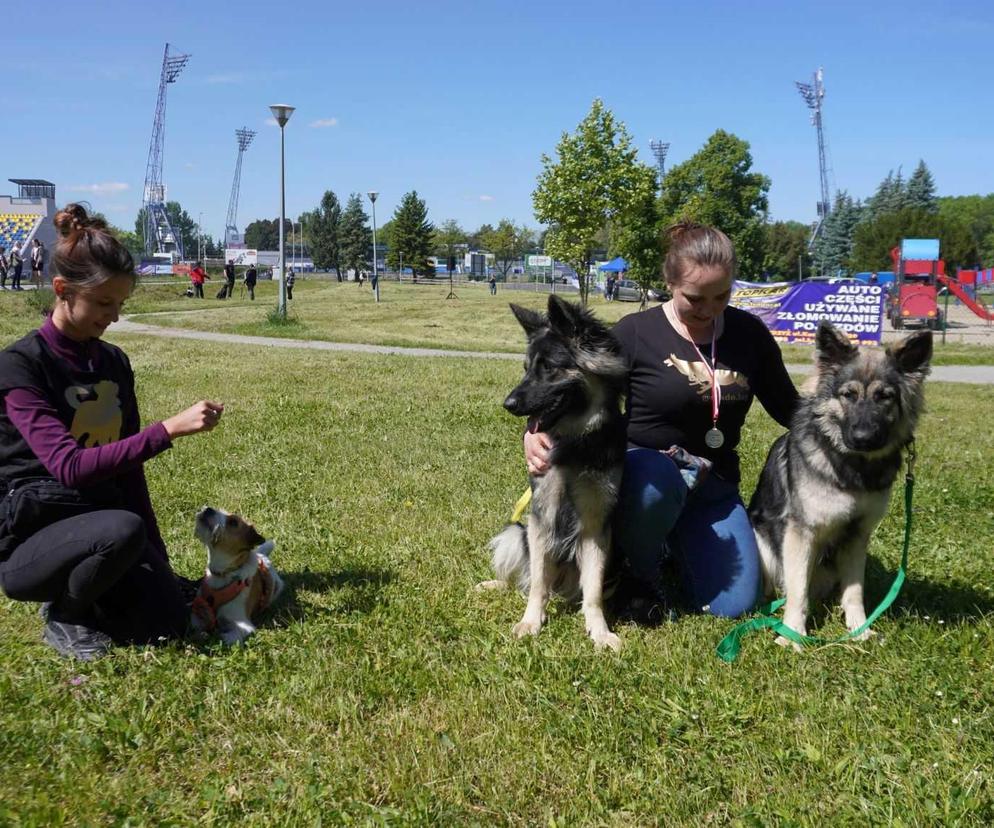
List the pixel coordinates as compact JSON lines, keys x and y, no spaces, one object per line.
{"x":244,"y":137}
{"x":813,"y":94}
{"x":160,"y":237}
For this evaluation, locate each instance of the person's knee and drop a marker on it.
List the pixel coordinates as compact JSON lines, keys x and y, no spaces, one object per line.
{"x":652,"y":485}
{"x":126,"y":535}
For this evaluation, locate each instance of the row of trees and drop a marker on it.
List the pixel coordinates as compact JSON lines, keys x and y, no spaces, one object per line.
{"x":596,"y":189}
{"x":858,"y":235}
{"x":341,"y":240}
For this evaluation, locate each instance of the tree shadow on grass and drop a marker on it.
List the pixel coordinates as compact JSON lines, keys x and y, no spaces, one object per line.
{"x":358,"y":591}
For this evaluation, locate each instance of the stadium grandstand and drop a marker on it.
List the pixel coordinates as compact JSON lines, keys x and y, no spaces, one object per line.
{"x":28,"y":215}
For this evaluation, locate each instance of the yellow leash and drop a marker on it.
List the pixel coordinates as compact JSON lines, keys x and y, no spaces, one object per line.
{"x":521,"y":505}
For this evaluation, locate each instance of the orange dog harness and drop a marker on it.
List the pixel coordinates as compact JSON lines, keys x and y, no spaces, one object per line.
{"x":209,"y":600}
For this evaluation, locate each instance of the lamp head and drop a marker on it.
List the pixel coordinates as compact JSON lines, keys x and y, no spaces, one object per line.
{"x":282,"y":113}
{"x":372,"y":195}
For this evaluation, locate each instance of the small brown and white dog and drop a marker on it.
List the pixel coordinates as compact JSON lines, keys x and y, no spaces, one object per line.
{"x":240,"y":580}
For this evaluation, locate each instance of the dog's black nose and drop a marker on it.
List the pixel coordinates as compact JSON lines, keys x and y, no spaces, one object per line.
{"x":513,"y":404}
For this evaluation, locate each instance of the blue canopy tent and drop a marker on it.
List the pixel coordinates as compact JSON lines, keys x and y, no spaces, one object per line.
{"x":618,"y":265}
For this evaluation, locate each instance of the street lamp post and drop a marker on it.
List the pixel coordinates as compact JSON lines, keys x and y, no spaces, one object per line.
{"x":376,"y":279}
{"x":282,"y":113}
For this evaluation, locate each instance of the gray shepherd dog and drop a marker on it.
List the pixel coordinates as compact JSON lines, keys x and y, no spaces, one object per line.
{"x":574,"y":378}
{"x":826,"y":483}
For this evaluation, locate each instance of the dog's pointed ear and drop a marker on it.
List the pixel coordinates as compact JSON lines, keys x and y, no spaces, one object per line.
{"x":254,"y":538}
{"x":530,"y":320}
{"x":832,"y":346}
{"x":564,"y":317}
{"x":913,"y":353}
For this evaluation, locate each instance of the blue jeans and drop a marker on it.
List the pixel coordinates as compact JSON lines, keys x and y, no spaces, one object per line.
{"x":706,"y":529}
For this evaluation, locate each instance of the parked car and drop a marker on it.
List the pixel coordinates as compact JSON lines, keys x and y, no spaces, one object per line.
{"x":627,"y":290}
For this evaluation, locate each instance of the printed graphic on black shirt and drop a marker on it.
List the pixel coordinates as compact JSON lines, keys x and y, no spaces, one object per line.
{"x":98,"y":417}
{"x":734,"y":385}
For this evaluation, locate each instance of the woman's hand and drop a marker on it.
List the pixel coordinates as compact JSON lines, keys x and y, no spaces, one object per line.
{"x":538,"y":446}
{"x":201,"y":416}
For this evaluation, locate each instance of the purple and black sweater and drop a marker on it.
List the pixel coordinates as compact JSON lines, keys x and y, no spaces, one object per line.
{"x":68,"y":411}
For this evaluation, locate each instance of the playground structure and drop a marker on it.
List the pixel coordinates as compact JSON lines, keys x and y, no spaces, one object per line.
{"x":918,"y":275}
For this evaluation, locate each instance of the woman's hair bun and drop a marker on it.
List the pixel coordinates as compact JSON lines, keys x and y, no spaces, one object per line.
{"x":682,"y":228}
{"x":73,"y":218}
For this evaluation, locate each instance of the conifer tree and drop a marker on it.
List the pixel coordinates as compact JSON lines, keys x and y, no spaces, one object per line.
{"x":355,"y":237}
{"x":412,"y":235}
{"x":920,"y":193}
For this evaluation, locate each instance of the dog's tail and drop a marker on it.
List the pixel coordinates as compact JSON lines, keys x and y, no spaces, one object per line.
{"x":510,"y":558}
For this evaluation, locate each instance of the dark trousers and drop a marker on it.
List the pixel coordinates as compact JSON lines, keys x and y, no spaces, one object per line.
{"x":289,"y":291}
{"x":99,"y":569}
{"x":15,"y":283}
{"x":198,"y":290}
{"x":251,"y":290}
{"x":3,"y":277}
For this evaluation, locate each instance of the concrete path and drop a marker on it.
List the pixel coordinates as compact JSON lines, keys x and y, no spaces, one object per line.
{"x":978,"y":374}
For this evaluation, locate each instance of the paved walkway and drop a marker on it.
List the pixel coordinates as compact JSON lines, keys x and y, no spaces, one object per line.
{"x":978,"y":374}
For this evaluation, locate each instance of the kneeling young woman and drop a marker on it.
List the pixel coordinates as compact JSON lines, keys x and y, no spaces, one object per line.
{"x":77,"y":529}
{"x":695,"y":365}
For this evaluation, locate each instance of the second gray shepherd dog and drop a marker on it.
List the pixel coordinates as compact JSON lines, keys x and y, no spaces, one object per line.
{"x":826,"y":483}
{"x":574,"y":379}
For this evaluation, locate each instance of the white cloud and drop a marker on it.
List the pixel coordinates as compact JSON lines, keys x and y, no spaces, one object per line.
{"x":324,"y":122}
{"x":271,"y":122}
{"x":189,"y":165}
{"x":486,"y":198}
{"x":106,"y":188}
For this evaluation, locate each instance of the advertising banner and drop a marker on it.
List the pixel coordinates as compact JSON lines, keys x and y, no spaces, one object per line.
{"x":155,"y":267}
{"x":540,"y":261}
{"x":792,"y":311}
{"x":241,"y":256}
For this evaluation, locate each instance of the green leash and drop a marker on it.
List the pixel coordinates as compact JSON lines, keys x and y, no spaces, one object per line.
{"x":728,"y":649}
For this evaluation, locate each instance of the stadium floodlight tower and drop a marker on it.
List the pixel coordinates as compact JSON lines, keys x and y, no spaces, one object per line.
{"x":159,"y":234}
{"x":659,"y":149}
{"x":231,"y":237}
{"x":813,"y":94}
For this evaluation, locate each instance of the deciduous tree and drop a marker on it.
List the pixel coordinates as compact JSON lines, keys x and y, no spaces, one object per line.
{"x":594,"y":178}
{"x":508,"y":242}
{"x":717,"y":186}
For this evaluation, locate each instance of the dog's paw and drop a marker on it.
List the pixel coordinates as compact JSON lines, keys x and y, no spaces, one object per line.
{"x":606,"y":640}
{"x":486,"y":586}
{"x":526,"y":627}
{"x":786,"y":642}
{"x":867,"y":635}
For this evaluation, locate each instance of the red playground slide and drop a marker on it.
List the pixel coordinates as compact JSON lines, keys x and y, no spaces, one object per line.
{"x":964,"y":297}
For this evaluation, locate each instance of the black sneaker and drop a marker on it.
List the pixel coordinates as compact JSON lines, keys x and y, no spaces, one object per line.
{"x":76,"y":641}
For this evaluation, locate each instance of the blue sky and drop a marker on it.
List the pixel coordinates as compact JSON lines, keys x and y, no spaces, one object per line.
{"x":458,"y":100}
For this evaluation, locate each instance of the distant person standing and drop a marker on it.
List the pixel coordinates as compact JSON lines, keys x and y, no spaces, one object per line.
{"x":16,"y":266}
{"x":197,"y":276}
{"x":609,"y":288}
{"x":493,"y":285}
{"x":4,"y":264}
{"x":251,"y":276}
{"x":290,"y":279}
{"x":229,"y":279}
{"x":37,"y":262}
{"x":361,"y":277}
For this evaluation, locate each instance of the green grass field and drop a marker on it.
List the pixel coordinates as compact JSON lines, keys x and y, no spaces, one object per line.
{"x":384,"y":690}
